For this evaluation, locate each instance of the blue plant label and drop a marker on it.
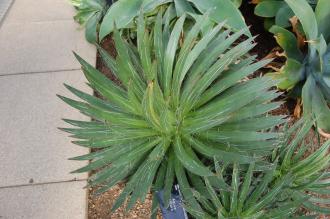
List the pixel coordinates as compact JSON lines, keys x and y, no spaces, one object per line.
{"x":175,"y":209}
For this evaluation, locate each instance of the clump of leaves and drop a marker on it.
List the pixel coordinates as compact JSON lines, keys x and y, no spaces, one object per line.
{"x":307,"y":73}
{"x":89,"y":14}
{"x":123,"y":13}
{"x":294,"y":180}
{"x":182,"y":101}
{"x":276,"y":12}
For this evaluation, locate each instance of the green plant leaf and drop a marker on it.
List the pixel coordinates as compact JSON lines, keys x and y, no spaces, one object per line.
{"x":191,"y":57}
{"x":270,"y":195}
{"x":251,"y":124}
{"x":169,"y":179}
{"x":243,"y":194}
{"x":126,"y":70}
{"x":159,"y":48}
{"x":89,"y":14}
{"x":150,"y":5}
{"x":288,"y":42}
{"x":257,"y":192}
{"x":235,"y":186}
{"x":144,"y":47}
{"x":283,"y":16}
{"x":214,"y":72}
{"x":306,"y":15}
{"x":321,"y":110}
{"x":322,"y":13}
{"x":222,"y":10}
{"x":229,"y":79}
{"x":182,"y":7}
{"x":290,"y":74}
{"x":108,"y":90}
{"x":189,"y":162}
{"x":238,"y":3}
{"x":108,"y":60}
{"x":221,"y":154}
{"x":268,"y":8}
{"x":208,"y":57}
{"x":214,"y":197}
{"x":114,"y":16}
{"x":91,"y":28}
{"x":185,"y":188}
{"x":316,"y":208}
{"x":170,"y":54}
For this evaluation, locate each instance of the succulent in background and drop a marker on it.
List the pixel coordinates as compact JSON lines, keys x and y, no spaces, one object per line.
{"x":294,"y":180}
{"x":181,"y":103}
{"x":307,"y":73}
{"x":123,"y":13}
{"x":276,"y":12}
{"x":90,"y":14}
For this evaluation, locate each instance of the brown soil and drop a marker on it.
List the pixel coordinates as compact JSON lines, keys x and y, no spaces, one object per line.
{"x":266,"y":41}
{"x":109,"y":46}
{"x":100,"y":207}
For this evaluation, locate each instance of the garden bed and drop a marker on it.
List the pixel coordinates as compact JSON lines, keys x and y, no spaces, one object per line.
{"x":100,"y":206}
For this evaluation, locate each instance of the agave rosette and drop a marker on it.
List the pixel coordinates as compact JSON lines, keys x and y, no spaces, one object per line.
{"x":308,"y":74}
{"x":296,"y":179}
{"x":183,"y":101}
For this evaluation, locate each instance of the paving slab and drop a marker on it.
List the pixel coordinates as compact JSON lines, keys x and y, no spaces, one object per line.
{"x":4,"y":6}
{"x":40,"y":10}
{"x":32,"y":149}
{"x":42,"y":47}
{"x":50,"y":201}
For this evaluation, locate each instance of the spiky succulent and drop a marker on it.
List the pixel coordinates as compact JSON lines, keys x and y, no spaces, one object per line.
{"x":89,"y":14}
{"x":295,"y":179}
{"x":122,"y":13}
{"x":183,"y":100}
{"x":308,"y":74}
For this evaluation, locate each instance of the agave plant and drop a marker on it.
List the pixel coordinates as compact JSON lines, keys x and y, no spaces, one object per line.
{"x":90,"y":14}
{"x":175,"y":109}
{"x":308,"y":73}
{"x":123,"y":12}
{"x":294,"y":180}
{"x":276,"y":12}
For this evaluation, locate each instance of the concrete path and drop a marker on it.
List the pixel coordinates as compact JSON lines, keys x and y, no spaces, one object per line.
{"x":36,"y":42}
